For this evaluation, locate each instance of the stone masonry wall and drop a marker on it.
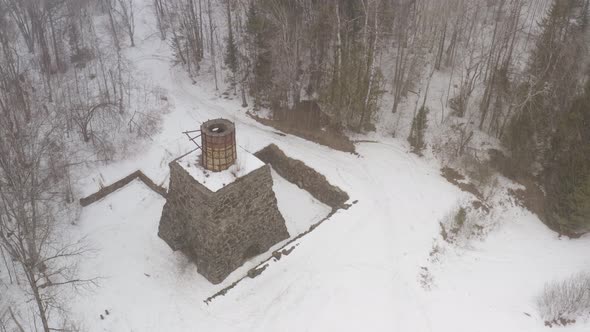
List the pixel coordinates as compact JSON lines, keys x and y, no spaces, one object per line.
{"x":305,"y":177}
{"x":103,"y":192}
{"x":221,"y":230}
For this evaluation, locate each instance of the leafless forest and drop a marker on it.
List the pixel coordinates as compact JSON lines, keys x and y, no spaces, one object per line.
{"x":515,"y":70}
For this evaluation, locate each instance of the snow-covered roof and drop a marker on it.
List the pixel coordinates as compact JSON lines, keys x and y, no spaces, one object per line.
{"x":245,"y":164}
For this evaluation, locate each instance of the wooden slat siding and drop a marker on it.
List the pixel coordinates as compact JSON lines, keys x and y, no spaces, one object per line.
{"x":102,"y":193}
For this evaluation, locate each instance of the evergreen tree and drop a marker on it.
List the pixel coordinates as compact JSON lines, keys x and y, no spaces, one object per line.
{"x":419,"y":125}
{"x":258,"y":37}
{"x":567,"y":175}
{"x":553,"y":72}
{"x":231,"y":53}
{"x":579,"y":219}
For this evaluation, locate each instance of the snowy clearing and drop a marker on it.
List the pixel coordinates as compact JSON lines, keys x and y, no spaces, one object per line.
{"x":356,"y":272}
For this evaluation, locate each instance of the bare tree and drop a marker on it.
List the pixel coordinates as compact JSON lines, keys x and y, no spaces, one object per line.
{"x":9,"y":320}
{"x":159,"y":10}
{"x":212,"y":42}
{"x":408,"y":55}
{"x":184,"y":21}
{"x":126,"y":15}
{"x":112,"y":23}
{"x":20,"y":14}
{"x":470,"y":73}
{"x":30,"y":227}
{"x":33,"y":174}
{"x":84,"y":116}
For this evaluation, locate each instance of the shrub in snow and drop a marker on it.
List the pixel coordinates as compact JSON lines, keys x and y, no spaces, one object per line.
{"x":453,"y":142}
{"x":479,"y":169}
{"x":426,"y":279}
{"x":425,"y":275}
{"x":563,"y":302}
{"x":453,"y":226}
{"x":464,"y":223}
{"x":459,"y":220}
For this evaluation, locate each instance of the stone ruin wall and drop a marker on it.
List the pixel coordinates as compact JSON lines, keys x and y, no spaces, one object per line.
{"x":305,"y":177}
{"x":221,"y":230}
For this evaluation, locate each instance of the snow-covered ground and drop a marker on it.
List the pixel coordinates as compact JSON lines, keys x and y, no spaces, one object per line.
{"x":298,"y":207}
{"x":358,"y":271}
{"x":246,"y":163}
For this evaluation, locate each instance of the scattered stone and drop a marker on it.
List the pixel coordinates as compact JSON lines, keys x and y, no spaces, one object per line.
{"x":277,"y":255}
{"x":561,"y":321}
{"x":286,"y":252}
{"x":255,"y":272}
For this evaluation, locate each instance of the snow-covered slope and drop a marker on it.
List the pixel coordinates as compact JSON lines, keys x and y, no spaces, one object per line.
{"x":358,"y":271}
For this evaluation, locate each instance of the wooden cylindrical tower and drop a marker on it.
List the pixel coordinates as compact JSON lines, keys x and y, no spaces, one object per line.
{"x":218,"y":141}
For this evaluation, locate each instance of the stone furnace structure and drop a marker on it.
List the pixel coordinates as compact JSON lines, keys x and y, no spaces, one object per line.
{"x":221,"y":219}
